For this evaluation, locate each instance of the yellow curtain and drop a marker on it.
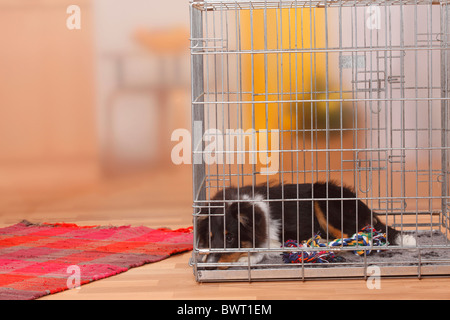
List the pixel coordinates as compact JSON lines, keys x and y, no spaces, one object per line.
{"x":280,"y":76}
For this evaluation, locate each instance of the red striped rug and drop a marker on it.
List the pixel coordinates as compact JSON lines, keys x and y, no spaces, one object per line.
{"x":41,"y":259}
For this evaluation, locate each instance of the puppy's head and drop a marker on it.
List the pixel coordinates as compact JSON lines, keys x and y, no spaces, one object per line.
{"x":235,"y":225}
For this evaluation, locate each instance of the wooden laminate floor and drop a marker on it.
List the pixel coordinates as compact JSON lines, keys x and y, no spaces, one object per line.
{"x":163,"y":198}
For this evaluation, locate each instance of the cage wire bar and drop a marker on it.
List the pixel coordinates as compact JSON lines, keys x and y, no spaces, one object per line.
{"x":350,"y":91}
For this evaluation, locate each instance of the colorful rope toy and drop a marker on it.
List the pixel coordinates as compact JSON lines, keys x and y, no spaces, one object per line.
{"x":309,"y":256}
{"x":368,"y":236}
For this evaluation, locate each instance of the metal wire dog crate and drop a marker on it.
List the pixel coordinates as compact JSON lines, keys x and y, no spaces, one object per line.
{"x":350,"y":91}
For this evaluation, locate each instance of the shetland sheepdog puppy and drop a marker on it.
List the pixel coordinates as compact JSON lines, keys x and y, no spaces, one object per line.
{"x":265,"y":217}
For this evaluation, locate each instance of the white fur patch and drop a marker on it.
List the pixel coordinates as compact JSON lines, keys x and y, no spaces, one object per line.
{"x":273,"y":238}
{"x":405,"y":240}
{"x":255,"y":258}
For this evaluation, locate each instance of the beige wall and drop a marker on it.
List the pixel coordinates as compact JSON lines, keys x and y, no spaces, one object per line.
{"x":47,"y":110}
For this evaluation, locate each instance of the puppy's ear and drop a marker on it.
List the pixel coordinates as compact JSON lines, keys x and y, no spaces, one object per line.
{"x":245,"y":212}
{"x":235,"y":208}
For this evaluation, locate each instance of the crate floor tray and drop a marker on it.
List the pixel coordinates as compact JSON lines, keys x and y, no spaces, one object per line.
{"x":431,"y":257}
